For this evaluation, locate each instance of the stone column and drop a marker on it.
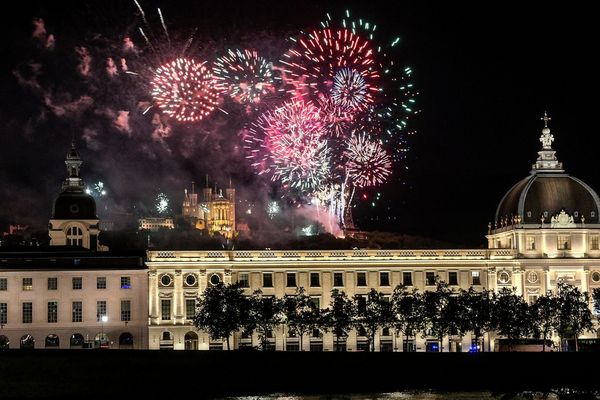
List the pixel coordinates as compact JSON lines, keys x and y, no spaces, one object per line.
{"x":153,"y":297}
{"x":178,"y":317}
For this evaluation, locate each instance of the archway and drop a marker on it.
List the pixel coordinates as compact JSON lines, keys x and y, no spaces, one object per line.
{"x":126,"y":340}
{"x":191,"y":341}
{"x":27,"y":342}
{"x":76,"y":341}
{"x":52,"y":341}
{"x":4,"y":343}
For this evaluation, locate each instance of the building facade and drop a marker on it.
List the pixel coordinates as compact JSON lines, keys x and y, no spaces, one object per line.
{"x":155,"y":224}
{"x":546,"y":231}
{"x":73,"y":299}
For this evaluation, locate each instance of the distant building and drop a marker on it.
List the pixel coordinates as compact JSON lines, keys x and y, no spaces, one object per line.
{"x":74,"y":220}
{"x":154,"y":224}
{"x":214,"y":213}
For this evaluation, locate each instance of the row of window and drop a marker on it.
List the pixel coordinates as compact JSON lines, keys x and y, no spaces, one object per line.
{"x":76,"y":283}
{"x":76,"y":311}
{"x":361,"y":279}
{"x":75,"y":341}
{"x":563,"y":242}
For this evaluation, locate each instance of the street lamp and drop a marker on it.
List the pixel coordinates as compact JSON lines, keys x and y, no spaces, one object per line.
{"x":103,"y":319}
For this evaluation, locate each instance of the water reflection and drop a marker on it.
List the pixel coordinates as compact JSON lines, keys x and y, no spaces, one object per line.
{"x":378,"y":396}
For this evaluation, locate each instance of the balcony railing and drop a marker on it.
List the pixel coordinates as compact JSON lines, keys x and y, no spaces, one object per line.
{"x":244,"y":256}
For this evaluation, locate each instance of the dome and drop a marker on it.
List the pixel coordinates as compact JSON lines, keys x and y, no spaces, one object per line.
{"x":549,"y":193}
{"x":74,"y":203}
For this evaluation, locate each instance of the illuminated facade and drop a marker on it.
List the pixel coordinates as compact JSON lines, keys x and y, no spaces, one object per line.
{"x":154,"y":224}
{"x":74,"y":220}
{"x":214,"y":213}
{"x":546,"y":230}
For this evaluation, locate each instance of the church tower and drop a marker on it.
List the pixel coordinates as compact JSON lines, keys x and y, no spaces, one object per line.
{"x":74,"y":221}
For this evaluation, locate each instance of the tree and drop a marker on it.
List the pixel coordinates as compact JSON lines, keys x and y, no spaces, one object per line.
{"x":374,"y":313}
{"x":339,"y":316}
{"x":407,"y":311}
{"x":596,"y":297}
{"x":574,"y":315}
{"x":435,"y":307}
{"x":511,"y":315}
{"x":544,"y":314}
{"x":477,"y":312}
{"x":301,"y":314}
{"x":265,"y":314}
{"x":219,"y":311}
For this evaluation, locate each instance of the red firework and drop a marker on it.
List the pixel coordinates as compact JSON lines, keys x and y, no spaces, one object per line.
{"x":368,"y":162}
{"x":289,"y":145}
{"x":324,"y":62}
{"x":185,"y":90}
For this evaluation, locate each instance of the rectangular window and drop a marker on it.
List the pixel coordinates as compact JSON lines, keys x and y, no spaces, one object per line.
{"x":27,"y":313}
{"x":532,"y":298}
{"x":563,"y":242}
{"x":314,"y":279}
{"x":190,"y":308}
{"x":101,"y":282}
{"x":453,"y":278}
{"x":291,"y":279}
{"x":77,"y":311}
{"x":244,"y":279}
{"x":77,"y":283}
{"x":316,"y":301}
{"x":267,"y":279}
{"x":407,"y":278}
{"x":361,"y":303}
{"x":100,"y":310}
{"x":125,"y":282}
{"x":384,"y":279}
{"x":52,"y":311}
{"x":338,"y":279}
{"x":530,"y":243}
{"x":594,"y":245}
{"x":3,"y":284}
{"x":27,"y":284}
{"x":3,"y":313}
{"x":361,"y":279}
{"x":52,"y":283}
{"x":125,"y":310}
{"x":476,"y":278}
{"x":430,"y":278}
{"x":165,"y":310}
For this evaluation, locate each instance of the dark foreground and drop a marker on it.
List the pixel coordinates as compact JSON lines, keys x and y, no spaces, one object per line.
{"x":209,"y":374}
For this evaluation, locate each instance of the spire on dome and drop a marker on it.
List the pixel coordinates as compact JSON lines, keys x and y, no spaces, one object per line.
{"x":73,"y":163}
{"x":547,"y":161}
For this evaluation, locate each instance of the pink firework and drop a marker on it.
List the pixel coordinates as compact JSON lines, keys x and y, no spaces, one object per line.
{"x":185,"y":90}
{"x":332,"y":63}
{"x":336,"y":118}
{"x":368,"y":163}
{"x":289,"y":145}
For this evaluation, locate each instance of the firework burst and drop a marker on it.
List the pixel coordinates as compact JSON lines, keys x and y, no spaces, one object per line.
{"x":311,"y":66}
{"x":350,"y":90}
{"x":184,"y":89}
{"x":368,"y":162}
{"x":161,"y":204}
{"x":289,"y":145}
{"x":244,"y":75}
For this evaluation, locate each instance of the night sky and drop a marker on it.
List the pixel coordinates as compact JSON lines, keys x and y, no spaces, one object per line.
{"x":485,"y":77}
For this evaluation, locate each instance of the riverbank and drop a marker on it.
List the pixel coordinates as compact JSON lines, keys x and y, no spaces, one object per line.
{"x":210,"y":374}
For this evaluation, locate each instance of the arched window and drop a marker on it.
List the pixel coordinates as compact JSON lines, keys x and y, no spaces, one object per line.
{"x":4,"y":342}
{"x":52,"y":341}
{"x":166,"y":342}
{"x":191,"y":341}
{"x":126,"y":340}
{"x":74,"y":236}
{"x":76,"y":340}
{"x":27,"y":342}
{"x":167,"y":335}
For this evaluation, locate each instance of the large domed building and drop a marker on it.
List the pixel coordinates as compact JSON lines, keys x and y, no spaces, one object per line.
{"x":74,"y":221}
{"x":549,"y":213}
